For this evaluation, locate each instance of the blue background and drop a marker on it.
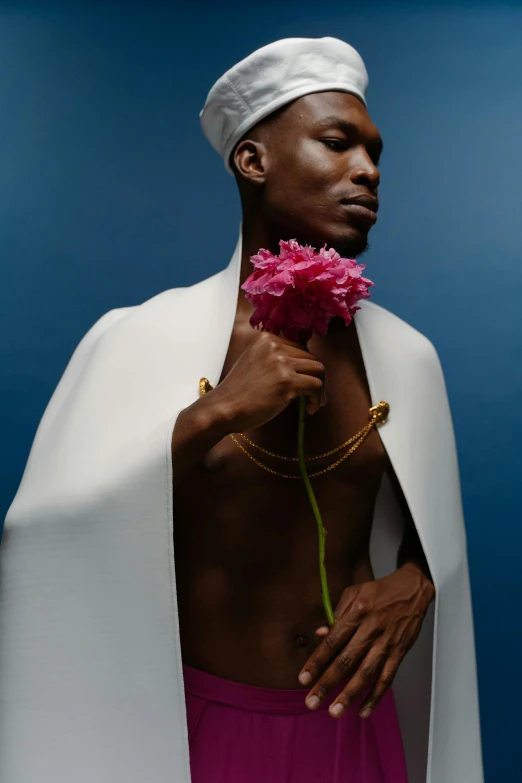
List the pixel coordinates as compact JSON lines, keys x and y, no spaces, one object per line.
{"x":109,"y":193}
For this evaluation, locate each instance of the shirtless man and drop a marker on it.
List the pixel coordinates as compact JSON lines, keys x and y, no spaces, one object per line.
{"x":245,"y":540}
{"x":98,"y":679}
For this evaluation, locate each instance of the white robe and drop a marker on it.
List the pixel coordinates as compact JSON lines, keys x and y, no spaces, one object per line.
{"x":91,"y":684}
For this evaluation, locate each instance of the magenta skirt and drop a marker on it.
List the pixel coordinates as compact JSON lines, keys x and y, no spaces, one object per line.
{"x":246,"y":734}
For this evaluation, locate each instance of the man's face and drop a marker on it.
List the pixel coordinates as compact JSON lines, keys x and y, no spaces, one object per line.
{"x":321,"y":156}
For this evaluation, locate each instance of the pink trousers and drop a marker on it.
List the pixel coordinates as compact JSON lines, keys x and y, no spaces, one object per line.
{"x":246,"y":734}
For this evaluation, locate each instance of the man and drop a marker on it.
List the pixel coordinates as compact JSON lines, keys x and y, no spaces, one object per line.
{"x":95,"y":672}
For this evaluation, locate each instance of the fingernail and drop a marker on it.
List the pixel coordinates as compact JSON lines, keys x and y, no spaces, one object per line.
{"x":337,"y":709}
{"x":312,"y":702}
{"x":366,"y":712}
{"x":322,"y":629}
{"x":305,"y":678}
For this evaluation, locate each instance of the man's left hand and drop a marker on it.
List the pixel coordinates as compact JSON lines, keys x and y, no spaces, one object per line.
{"x":375,"y":625}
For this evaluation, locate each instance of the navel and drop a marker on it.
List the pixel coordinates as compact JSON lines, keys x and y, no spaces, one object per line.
{"x":301,"y":641}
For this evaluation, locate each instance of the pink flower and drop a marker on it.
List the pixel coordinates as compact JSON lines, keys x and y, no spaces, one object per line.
{"x":299,"y":291}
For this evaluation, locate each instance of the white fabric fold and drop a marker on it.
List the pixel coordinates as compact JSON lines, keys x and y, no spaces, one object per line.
{"x":91,"y":682}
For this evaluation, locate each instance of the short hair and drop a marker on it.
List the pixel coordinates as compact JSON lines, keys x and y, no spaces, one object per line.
{"x":266,"y":122}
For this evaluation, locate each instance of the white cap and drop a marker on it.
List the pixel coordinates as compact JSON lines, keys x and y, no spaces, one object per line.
{"x":272,"y":76}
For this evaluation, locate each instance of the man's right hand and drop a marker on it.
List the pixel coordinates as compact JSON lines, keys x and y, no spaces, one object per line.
{"x":269,"y":374}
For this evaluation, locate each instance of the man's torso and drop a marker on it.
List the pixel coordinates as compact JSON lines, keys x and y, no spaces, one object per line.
{"x":246,"y":541}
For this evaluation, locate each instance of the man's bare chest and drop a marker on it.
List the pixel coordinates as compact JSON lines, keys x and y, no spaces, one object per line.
{"x":347,"y":392}
{"x":253,"y":464}
{"x":233,"y":506}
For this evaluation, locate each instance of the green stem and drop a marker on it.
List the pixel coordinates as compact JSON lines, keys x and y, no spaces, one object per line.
{"x":317,"y":514}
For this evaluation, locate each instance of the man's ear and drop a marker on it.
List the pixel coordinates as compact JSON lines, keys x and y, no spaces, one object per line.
{"x":250,"y":159}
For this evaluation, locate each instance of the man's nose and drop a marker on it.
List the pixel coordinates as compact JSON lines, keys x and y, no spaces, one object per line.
{"x":365,"y":172}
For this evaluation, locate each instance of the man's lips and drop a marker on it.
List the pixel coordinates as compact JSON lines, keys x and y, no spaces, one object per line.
{"x":361,"y":211}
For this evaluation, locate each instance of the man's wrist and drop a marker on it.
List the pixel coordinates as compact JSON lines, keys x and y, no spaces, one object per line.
{"x":214,"y":418}
{"x":413,"y":566}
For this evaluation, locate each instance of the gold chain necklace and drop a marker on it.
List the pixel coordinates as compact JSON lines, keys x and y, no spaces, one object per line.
{"x":308,"y":459}
{"x":378,"y":415}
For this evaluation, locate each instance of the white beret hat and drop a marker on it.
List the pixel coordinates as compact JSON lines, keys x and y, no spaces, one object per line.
{"x":272,"y":76}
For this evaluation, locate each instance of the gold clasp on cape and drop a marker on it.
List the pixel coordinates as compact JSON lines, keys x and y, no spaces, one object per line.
{"x":379,"y":413}
{"x":204,"y":386}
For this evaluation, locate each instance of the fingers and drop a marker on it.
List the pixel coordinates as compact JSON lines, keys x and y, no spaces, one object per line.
{"x":375,"y":666}
{"x":304,"y":364}
{"x":290,"y":349}
{"x":322,"y":631}
{"x":369,"y":669}
{"x":344,"y":666}
{"x":384,"y":681}
{"x":338,"y":636}
{"x":366,"y":673}
{"x":312,"y":387}
{"x":309,"y":378}
{"x":312,"y":368}
{"x":308,"y":366}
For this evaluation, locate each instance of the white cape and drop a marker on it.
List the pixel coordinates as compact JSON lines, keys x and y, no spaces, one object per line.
{"x":91,"y":683}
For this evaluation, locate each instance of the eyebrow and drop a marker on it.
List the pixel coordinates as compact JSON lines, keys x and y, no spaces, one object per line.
{"x":350,"y":129}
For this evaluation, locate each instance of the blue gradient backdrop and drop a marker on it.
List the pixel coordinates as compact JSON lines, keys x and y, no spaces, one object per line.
{"x":109,"y":194}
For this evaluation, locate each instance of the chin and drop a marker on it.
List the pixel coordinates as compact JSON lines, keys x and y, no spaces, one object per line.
{"x":349,"y":245}
{"x":348,"y":240}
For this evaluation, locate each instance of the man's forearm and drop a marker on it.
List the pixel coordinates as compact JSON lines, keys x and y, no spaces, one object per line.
{"x":411,"y":554}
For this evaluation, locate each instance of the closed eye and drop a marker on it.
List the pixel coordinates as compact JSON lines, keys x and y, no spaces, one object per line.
{"x":335,"y":144}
